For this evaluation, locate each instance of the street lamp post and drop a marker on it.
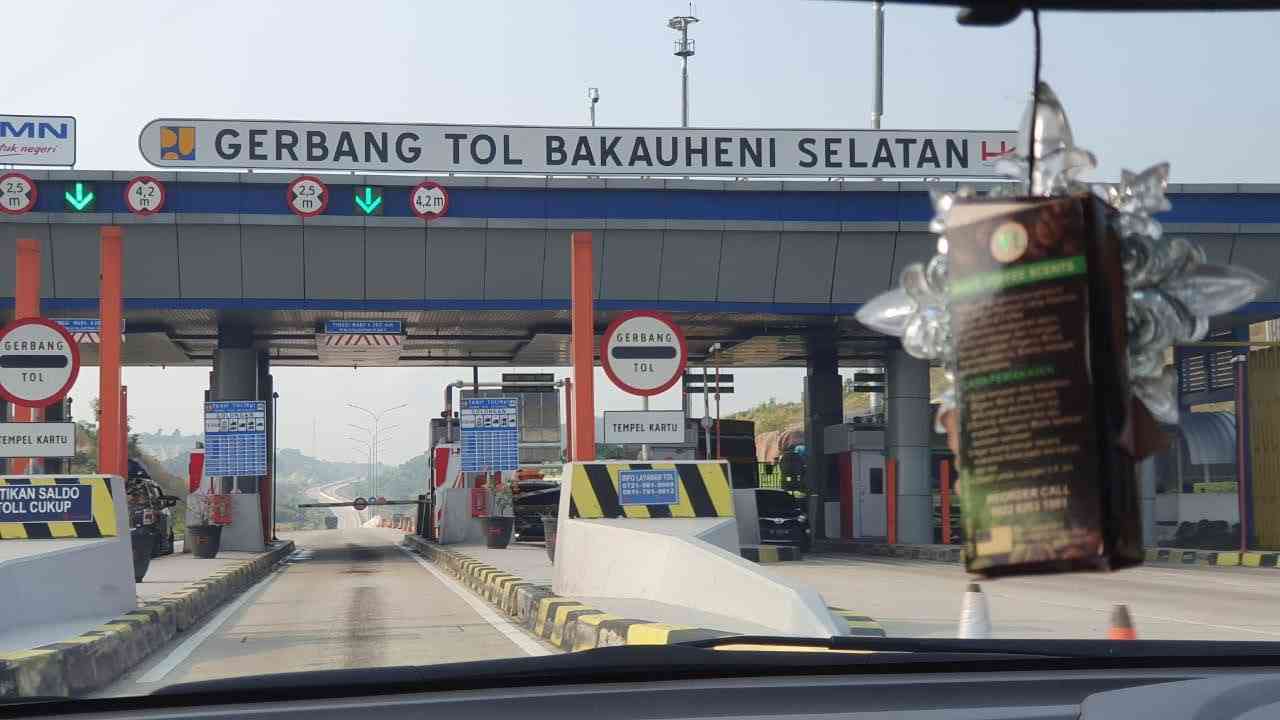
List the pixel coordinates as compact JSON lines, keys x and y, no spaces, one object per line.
{"x":684,"y":50}
{"x":377,"y":418}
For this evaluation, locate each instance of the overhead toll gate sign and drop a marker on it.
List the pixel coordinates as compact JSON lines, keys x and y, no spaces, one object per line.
{"x":360,"y":342}
{"x":488,"y":149}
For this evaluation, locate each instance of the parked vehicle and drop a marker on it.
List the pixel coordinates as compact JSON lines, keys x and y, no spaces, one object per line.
{"x":782,"y":519}
{"x":150,"y":508}
{"x":533,"y":500}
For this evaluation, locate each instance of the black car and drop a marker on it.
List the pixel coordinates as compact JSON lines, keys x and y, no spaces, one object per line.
{"x":782,"y":519}
{"x":150,"y":508}
{"x":533,"y":500}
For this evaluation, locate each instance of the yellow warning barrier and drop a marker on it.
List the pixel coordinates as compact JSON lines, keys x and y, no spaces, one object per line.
{"x":53,"y":506}
{"x":650,"y":490}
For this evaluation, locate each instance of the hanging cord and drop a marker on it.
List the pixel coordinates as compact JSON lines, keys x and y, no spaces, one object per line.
{"x":1035,"y":99}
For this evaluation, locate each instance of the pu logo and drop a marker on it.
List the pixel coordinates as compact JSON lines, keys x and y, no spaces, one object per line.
{"x":178,"y":143}
{"x":991,"y":154}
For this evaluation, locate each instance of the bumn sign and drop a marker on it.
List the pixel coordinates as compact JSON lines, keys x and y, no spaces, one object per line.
{"x":643,"y":352}
{"x":17,"y":193}
{"x":39,"y":362}
{"x":308,"y":196}
{"x":37,"y":140}
{"x":490,"y":149}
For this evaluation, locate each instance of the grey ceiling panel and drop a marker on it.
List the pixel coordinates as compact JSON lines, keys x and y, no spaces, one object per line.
{"x":632,"y":259}
{"x":455,"y":263}
{"x":272,"y":261}
{"x":748,"y":265}
{"x":555,"y":273}
{"x":862,"y":266}
{"x":805,"y":265}
{"x":209,"y":261}
{"x":9,"y":233}
{"x":513,"y":263}
{"x":1261,"y":254}
{"x":76,"y":249}
{"x":334,"y":262}
{"x":690,"y":264}
{"x":912,"y":247}
{"x":151,"y":261}
{"x":395,"y":263}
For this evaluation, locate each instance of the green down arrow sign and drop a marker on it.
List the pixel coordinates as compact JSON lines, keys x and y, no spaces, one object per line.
{"x":82,"y":200}
{"x":369,"y":200}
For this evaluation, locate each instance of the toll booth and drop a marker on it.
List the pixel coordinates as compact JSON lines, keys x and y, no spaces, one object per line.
{"x":459,"y":500}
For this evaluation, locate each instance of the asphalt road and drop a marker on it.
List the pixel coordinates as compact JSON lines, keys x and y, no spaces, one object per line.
{"x":348,"y":518}
{"x":347,"y":599}
{"x":923,"y":599}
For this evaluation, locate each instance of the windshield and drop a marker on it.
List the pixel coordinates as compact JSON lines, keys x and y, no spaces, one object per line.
{"x":435,"y":332}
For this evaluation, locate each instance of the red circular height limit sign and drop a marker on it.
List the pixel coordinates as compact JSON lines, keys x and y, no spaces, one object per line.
{"x":17,"y":193}
{"x":307,"y":196}
{"x":643,"y":352}
{"x":144,"y":195}
{"x":429,"y":200}
{"x":39,"y":361}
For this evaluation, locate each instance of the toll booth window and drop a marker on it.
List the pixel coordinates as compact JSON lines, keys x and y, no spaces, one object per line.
{"x":876,"y":478}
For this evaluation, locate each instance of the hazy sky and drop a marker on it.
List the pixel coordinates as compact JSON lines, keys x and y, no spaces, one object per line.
{"x":1194,"y":90}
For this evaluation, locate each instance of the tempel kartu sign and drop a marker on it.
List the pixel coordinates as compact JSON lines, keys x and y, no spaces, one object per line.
{"x":204,"y":143}
{"x":235,"y":438}
{"x":490,"y":433}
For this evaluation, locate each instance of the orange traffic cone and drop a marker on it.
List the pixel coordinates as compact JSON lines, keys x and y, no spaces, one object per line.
{"x":1121,"y":625}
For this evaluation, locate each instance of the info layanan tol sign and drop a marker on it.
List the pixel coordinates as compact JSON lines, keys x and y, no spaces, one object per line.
{"x":377,"y":147}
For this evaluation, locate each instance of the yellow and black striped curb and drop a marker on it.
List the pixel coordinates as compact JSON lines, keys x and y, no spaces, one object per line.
{"x":95,"y":658}
{"x":562,"y":622}
{"x":569,"y":624}
{"x":771,"y":553}
{"x":1217,"y":558}
{"x":704,"y":491}
{"x":859,"y":625}
{"x":101,"y":524}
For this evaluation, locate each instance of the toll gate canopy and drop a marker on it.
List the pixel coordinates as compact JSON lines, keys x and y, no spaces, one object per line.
{"x":758,"y":266}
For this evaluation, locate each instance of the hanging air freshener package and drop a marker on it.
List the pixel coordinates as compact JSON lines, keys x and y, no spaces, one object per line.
{"x":1051,"y":304}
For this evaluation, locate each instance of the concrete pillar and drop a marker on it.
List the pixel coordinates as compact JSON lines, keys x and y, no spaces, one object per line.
{"x":235,"y":377}
{"x":1147,"y":485}
{"x":267,"y":491}
{"x":824,"y":406}
{"x":907,"y":441}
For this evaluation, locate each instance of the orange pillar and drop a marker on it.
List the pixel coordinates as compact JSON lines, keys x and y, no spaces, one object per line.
{"x":891,"y":500}
{"x":26,"y":305}
{"x":110,"y":428}
{"x":568,"y":419}
{"x":944,"y":479}
{"x":582,"y":321}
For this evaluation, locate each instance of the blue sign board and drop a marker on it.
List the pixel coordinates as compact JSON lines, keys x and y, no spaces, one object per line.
{"x":363,"y":327}
{"x":46,"y":503}
{"x":235,"y":438}
{"x":490,"y":433}
{"x":80,"y":325}
{"x":648,"y":487}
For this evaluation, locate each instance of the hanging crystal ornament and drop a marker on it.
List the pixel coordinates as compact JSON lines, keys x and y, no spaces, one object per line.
{"x":1172,"y":289}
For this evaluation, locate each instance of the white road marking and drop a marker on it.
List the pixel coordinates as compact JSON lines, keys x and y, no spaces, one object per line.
{"x":502,"y":625}
{"x":183,"y":651}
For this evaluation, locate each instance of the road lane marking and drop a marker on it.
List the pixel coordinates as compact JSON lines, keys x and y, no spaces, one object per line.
{"x":183,"y":651}
{"x":499,"y":623}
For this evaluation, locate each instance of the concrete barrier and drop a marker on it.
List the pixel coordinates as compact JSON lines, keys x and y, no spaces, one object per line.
{"x":95,"y":658}
{"x":955,"y":554}
{"x":571,"y":625}
{"x":683,"y":553}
